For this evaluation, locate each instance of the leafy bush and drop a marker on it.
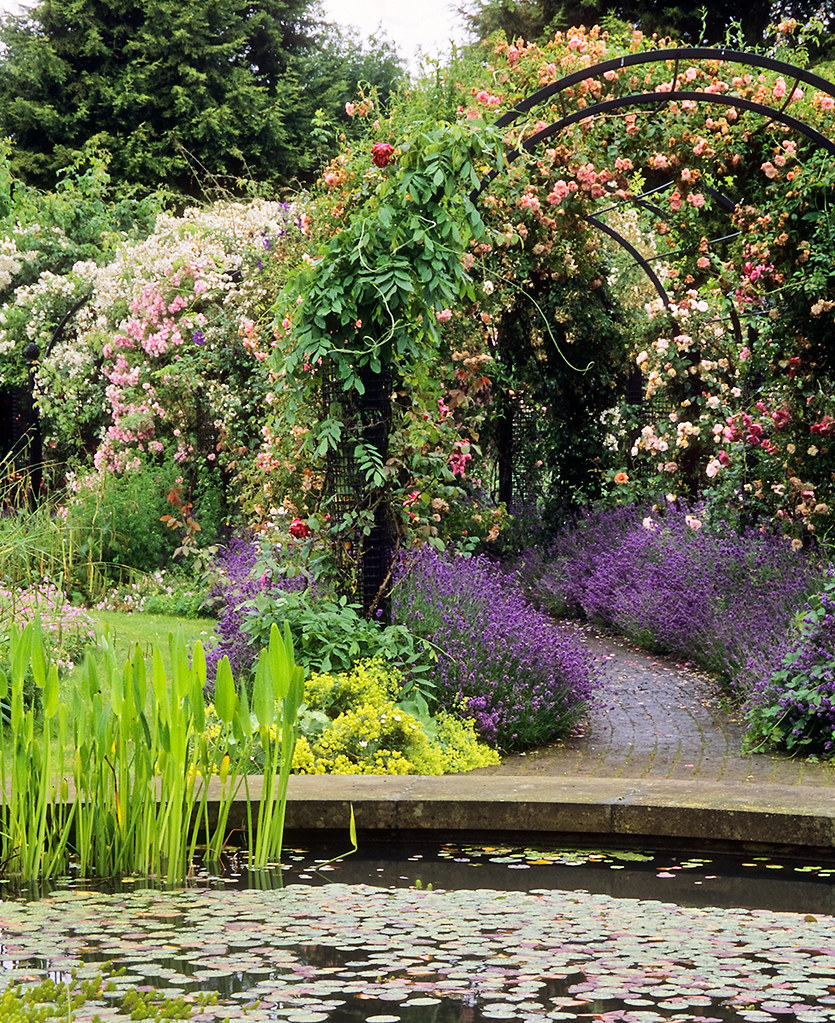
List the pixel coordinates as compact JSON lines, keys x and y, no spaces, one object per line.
{"x":329,"y":633}
{"x":117,"y":519}
{"x":178,"y":600}
{"x":355,"y":724}
{"x":166,"y":592}
{"x":501,"y":662}
{"x":794,"y":707}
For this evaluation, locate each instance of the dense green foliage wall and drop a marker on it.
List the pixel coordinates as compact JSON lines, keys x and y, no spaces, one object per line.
{"x":188,"y":96}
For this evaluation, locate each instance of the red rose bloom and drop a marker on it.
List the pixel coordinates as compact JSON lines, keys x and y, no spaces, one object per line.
{"x":382,"y":154}
{"x":300,"y":529}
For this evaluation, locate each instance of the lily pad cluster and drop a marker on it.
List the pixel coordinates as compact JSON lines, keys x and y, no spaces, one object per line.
{"x":356,"y":952}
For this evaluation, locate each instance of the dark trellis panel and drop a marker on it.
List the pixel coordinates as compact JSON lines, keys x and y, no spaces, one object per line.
{"x":519,"y":484}
{"x":366,"y":417}
{"x":20,"y":432}
{"x":16,"y":418}
{"x":20,"y":436}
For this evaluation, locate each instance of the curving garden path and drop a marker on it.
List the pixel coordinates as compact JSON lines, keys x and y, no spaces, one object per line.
{"x":657,"y":756}
{"x":654,"y":717}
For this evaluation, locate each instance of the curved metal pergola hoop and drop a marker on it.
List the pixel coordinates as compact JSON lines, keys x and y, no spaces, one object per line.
{"x":635,"y":254}
{"x":675,"y":54}
{"x":653,"y":277}
{"x":722,"y":200}
{"x":654,"y":99}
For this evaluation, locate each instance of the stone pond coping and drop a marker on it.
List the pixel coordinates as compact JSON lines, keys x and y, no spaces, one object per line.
{"x":773,"y":815}
{"x":793,"y":817}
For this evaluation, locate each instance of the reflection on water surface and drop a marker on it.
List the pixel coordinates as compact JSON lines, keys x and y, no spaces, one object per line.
{"x":535,"y":935}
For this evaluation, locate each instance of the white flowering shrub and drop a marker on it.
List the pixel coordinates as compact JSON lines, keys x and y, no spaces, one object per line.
{"x":163,"y":367}
{"x":152,"y":336}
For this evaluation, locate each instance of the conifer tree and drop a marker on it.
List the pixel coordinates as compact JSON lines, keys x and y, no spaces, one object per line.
{"x":183,"y":94}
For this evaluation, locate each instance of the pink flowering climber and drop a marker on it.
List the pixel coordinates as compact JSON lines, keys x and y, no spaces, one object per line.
{"x":458,"y":458}
{"x":558,"y":192}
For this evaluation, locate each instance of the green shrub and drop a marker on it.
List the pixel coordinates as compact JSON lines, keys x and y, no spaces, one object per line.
{"x":116,"y":520}
{"x":177,"y":601}
{"x":171,"y":592}
{"x":354,"y":722}
{"x":332,"y":635}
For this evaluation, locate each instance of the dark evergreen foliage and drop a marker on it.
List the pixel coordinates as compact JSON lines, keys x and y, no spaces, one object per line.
{"x":188,"y":96}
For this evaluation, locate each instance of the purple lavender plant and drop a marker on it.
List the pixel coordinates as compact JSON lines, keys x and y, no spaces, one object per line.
{"x":718,"y":597}
{"x":502,"y":662}
{"x":237,"y":583}
{"x":794,"y":707}
{"x":557,"y":580}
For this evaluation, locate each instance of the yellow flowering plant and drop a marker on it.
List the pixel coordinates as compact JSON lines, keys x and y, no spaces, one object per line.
{"x":352,"y":722}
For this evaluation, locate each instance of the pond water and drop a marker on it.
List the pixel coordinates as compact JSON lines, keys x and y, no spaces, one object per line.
{"x":450,"y":934}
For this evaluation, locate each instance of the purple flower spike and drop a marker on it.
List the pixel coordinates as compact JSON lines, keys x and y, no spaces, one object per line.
{"x":519,"y":675}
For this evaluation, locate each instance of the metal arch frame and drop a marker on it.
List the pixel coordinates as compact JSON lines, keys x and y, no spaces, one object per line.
{"x":675,"y":54}
{"x":653,"y":99}
{"x":656,"y":99}
{"x":644,"y":264}
{"x":636,"y":255}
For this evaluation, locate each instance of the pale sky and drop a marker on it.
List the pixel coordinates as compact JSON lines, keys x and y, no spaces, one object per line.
{"x":426,"y":25}
{"x":412,"y":25}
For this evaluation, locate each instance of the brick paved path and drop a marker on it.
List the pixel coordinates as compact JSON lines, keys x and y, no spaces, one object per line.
{"x":656,"y":718}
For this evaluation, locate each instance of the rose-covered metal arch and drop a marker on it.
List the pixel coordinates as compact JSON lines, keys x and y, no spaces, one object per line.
{"x":677,"y":55}
{"x":374,"y":583}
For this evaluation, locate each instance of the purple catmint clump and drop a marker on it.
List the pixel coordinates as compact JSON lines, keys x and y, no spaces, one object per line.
{"x":242,"y":571}
{"x":520,"y":676}
{"x":668,"y":579}
{"x":793,"y":707}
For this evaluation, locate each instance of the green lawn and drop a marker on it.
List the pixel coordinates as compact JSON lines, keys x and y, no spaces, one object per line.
{"x":128,"y":630}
